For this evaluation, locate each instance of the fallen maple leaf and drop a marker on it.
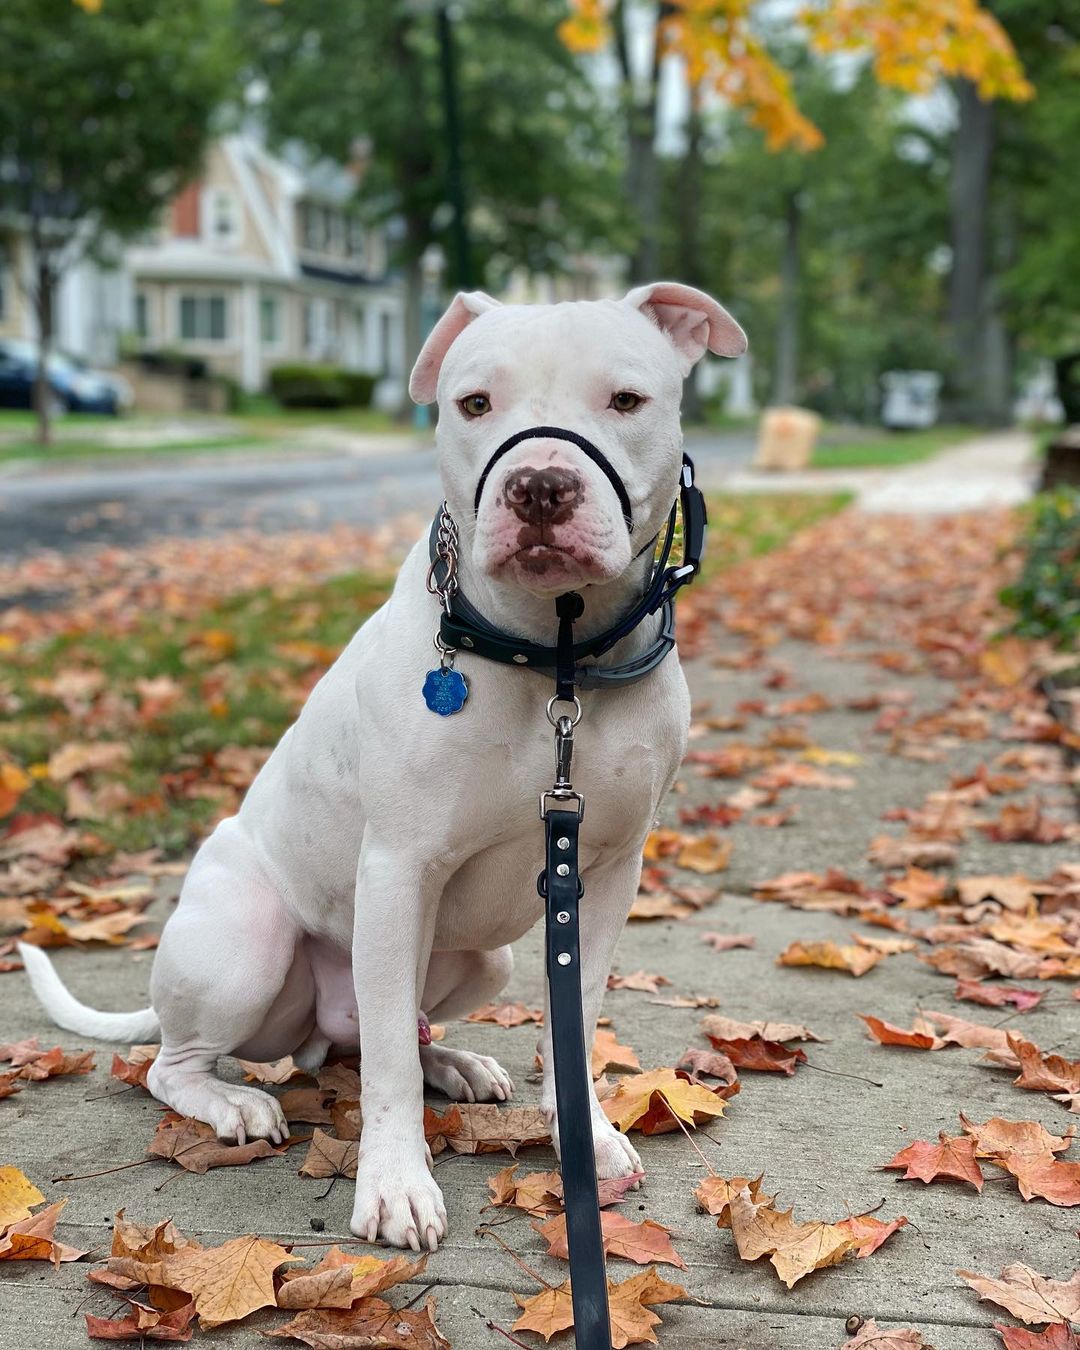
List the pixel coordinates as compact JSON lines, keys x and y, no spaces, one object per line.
{"x":726,"y":942}
{"x":639,"y":980}
{"x":998,"y":995}
{"x":143,"y":1323}
{"x":338,"y":1280}
{"x":690,"y":1001}
{"x":1046,"y":1073}
{"x":534,"y":1193}
{"x":32,"y":1239}
{"x":728,"y":1029}
{"x":887,"y":851}
{"x":950,"y":1157}
{"x":971,"y":1035}
{"x":918,"y":889}
{"x":629,"y":1302}
{"x":714,"y":1194}
{"x":706,"y":854}
{"x":57,"y":1063}
{"x":483,"y":1128}
{"x":655,"y":1101}
{"x":855,"y":960}
{"x":872,"y":1337}
{"x":133,"y":1070}
{"x":277,"y":1071}
{"x":372,"y":1322}
{"x":920,"y":1037}
{"x":760,"y":1055}
{"x":1025,"y":1140}
{"x":638,"y":1242}
{"x":868,"y":1233}
{"x":1029,"y":1296}
{"x":794,"y":1249}
{"x":226,"y":1282}
{"x":506,"y":1014}
{"x":196,"y":1147}
{"x":18,"y":1196}
{"x":708,"y":1064}
{"x":607,"y":1053}
{"x":329,"y":1157}
{"x":1060,"y":1336}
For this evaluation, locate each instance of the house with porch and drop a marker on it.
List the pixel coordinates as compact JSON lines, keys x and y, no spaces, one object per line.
{"x":264,"y":262}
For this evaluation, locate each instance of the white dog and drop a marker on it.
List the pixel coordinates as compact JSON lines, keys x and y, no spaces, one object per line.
{"x":385,"y":858}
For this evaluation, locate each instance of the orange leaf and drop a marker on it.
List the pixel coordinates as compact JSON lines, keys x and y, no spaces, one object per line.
{"x":506,"y":1014}
{"x":226,"y":1282}
{"x":651,"y":1101}
{"x":372,"y":1322}
{"x":951,"y":1157}
{"x":918,"y":1038}
{"x":855,"y":960}
{"x":607,"y":1053}
{"x":639,"y":1242}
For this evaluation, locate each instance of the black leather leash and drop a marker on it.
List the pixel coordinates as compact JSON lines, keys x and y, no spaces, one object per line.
{"x":561,"y":887}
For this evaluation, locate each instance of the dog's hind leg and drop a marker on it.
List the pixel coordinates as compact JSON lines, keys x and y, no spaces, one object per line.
{"x":458,"y":982}
{"x":231,"y":978}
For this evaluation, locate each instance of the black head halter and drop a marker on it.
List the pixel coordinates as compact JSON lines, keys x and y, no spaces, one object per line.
{"x":561,"y":434}
{"x":574,"y":665}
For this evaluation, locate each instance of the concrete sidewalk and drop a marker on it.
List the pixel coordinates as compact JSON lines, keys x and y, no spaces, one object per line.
{"x":997,"y":469}
{"x":820,"y":1137}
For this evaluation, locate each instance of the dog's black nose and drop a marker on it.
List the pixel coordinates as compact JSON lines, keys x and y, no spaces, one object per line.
{"x":543,"y":496}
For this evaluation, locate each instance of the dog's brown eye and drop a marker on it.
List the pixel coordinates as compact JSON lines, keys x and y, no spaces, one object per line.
{"x":475,"y":405}
{"x":625,"y":401}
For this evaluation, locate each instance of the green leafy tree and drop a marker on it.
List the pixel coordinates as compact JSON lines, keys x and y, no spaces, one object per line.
{"x":103,"y":116}
{"x":538,"y":158}
{"x":833,"y":257}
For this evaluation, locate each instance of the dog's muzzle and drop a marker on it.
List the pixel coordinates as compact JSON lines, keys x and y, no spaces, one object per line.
{"x":561,"y":434}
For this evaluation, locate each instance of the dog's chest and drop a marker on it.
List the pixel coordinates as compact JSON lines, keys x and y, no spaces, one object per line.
{"x":492,"y":899}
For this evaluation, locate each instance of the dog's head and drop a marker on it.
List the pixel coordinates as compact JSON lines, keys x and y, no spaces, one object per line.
{"x":596,"y":386}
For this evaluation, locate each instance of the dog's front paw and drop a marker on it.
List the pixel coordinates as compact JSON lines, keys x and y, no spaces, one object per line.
{"x":464,"y":1076}
{"x":615,"y":1155}
{"x":398,"y":1201}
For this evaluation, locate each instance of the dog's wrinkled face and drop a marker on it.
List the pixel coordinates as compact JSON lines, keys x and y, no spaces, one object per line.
{"x":549,"y":517}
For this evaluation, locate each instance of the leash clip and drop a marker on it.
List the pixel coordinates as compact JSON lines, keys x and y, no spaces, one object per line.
{"x":562,"y":791}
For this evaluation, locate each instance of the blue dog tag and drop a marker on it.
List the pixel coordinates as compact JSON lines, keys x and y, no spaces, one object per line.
{"x":445,"y":691}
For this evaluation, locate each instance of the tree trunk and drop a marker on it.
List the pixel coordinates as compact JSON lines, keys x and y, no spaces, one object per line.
{"x":43,"y":297}
{"x":786,"y":367}
{"x":688,"y":232}
{"x":970,"y":302}
{"x":642,"y":162}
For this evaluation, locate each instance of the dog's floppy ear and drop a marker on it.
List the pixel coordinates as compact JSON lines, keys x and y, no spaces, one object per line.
{"x":465,"y":306}
{"x":693,"y":321}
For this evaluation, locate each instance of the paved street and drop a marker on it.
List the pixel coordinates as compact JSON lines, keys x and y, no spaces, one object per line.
{"x":65,"y":508}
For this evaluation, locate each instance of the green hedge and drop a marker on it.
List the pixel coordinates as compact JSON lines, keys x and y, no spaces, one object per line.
{"x":1047,"y":593}
{"x":311,"y":386}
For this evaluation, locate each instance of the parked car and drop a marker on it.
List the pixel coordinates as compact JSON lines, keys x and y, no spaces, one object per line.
{"x":73,"y":386}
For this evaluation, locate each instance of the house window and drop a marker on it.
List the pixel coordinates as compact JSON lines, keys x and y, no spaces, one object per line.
{"x":357,"y":240}
{"x":203,"y":318}
{"x":3,"y":285}
{"x":223,"y":217}
{"x":316,"y":227}
{"x":142,"y":315}
{"x":269,"y":320}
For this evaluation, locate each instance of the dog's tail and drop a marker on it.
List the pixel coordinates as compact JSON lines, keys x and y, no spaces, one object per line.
{"x":66,"y":1010}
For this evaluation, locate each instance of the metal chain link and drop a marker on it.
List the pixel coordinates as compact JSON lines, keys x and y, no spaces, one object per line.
{"x":446,"y":552}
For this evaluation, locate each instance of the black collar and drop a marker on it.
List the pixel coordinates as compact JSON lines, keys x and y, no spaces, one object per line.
{"x":465,"y":629}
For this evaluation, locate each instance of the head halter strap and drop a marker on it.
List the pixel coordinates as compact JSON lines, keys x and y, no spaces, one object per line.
{"x":561,"y":434}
